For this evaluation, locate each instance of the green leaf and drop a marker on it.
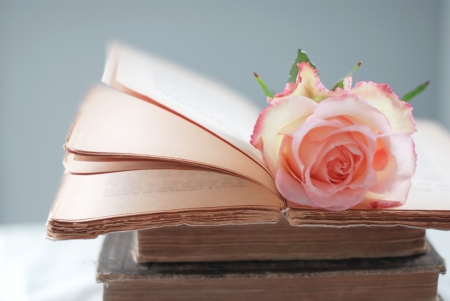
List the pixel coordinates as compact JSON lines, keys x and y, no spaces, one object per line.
{"x":340,"y":83}
{"x":410,"y":95}
{"x":263,"y":85}
{"x":301,"y":57}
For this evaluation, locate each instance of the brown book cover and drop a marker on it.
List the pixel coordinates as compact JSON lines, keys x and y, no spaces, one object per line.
{"x":278,"y":241}
{"x":403,"y":278}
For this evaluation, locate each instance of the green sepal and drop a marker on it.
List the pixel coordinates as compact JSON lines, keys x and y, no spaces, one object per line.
{"x":301,"y":57}
{"x":410,"y":95}
{"x":263,"y":85}
{"x":340,"y":83}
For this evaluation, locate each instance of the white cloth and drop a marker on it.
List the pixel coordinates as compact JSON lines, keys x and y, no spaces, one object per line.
{"x":35,"y":269}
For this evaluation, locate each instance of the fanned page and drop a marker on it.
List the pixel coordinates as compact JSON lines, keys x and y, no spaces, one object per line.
{"x":117,"y":132}
{"x":87,"y":206}
{"x":199,"y":99}
{"x":89,"y":164}
{"x":428,"y":204}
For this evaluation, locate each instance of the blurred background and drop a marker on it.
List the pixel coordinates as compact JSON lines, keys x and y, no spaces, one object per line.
{"x":52,"y":52}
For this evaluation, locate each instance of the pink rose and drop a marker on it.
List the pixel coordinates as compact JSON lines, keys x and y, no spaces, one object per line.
{"x":334,"y":149}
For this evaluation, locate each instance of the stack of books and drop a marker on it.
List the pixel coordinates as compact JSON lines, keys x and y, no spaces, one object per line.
{"x":161,"y":161}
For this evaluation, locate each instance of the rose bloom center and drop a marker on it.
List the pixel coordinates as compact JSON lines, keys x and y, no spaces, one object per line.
{"x":339,"y":167}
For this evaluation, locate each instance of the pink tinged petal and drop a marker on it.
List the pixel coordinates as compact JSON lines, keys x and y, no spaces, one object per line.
{"x":334,"y":147}
{"x":290,"y":129}
{"x":381,"y":96}
{"x":361,"y":178}
{"x":377,"y":204}
{"x":310,"y":152}
{"x":311,"y":130}
{"x":305,"y":155}
{"x":380,"y":160}
{"x":340,"y":169}
{"x":358,"y":134}
{"x":356,"y":109}
{"x":399,"y":169}
{"x":290,"y":87}
{"x":363,"y":135}
{"x":291,"y":188}
{"x":308,"y":84}
{"x":274,"y":117}
{"x":286,"y":153}
{"x":395,"y":198}
{"x":344,"y":121}
{"x":358,"y":140}
{"x":341,"y":200}
{"x":362,"y":144}
{"x":331,"y":168}
{"x":347,"y":83}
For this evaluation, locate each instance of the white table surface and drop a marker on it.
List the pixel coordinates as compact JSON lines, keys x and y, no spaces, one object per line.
{"x":32,"y":268}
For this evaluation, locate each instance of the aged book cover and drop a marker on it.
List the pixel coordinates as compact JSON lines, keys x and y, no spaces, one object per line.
{"x":278,"y":241}
{"x":405,"y":278}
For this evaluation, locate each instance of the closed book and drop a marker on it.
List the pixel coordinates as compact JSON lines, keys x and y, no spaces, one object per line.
{"x":401,"y":278}
{"x":278,"y":241}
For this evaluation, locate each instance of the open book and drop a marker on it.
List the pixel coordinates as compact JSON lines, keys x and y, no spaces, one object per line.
{"x":172,"y":148}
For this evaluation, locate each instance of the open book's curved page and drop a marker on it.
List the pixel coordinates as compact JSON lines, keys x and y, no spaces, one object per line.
{"x":87,"y":206}
{"x":132,"y":131}
{"x":214,"y":107}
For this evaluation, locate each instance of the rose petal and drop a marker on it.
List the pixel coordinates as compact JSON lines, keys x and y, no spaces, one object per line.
{"x":288,"y":157}
{"x":380,"y":160}
{"x":399,"y":113}
{"x":341,"y":200}
{"x":378,"y":204}
{"x":356,"y":108}
{"x":328,"y":165}
{"x":311,"y":152}
{"x":291,"y":188}
{"x":314,"y":140}
{"x":308,"y":84}
{"x":347,"y":83}
{"x":400,"y":166}
{"x":394,"y":198}
{"x":315,"y":128}
{"x":274,"y":117}
{"x":362,"y":178}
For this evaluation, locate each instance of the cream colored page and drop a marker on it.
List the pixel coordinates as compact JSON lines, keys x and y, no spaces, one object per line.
{"x":91,"y":164}
{"x":430,"y":189}
{"x":85,"y":164}
{"x":152,"y":191}
{"x":205,"y":102}
{"x":113,"y":123}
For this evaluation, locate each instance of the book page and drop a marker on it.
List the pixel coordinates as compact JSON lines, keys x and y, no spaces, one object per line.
{"x":152,"y":191}
{"x":111,"y":123}
{"x":201,"y":100}
{"x":88,"y":164}
{"x":87,"y":206}
{"x":430,"y":188}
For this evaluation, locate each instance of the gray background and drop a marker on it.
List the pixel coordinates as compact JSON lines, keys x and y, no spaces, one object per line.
{"x":52,"y":52}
